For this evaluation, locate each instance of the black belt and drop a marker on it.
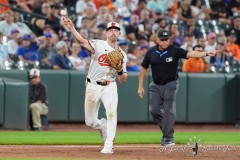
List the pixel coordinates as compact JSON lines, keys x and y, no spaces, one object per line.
{"x":165,"y":82}
{"x":102,"y":83}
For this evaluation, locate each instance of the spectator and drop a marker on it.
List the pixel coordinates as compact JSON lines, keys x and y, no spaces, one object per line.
{"x":99,"y":3}
{"x":196,"y":65}
{"x":39,"y":23}
{"x":13,"y":44}
{"x":232,"y":46}
{"x":142,"y":4}
{"x":132,"y":30}
{"x":4,"y":8}
{"x":28,"y":52}
{"x":74,"y":58}
{"x":8,"y":24}
{"x":218,"y":10}
{"x":201,"y":41}
{"x":26,"y":5}
{"x":233,"y":7}
{"x":38,"y":99}
{"x":189,"y":42}
{"x":199,"y":11}
{"x":123,"y":45}
{"x":46,"y":51}
{"x":236,"y":27}
{"x":133,"y":62}
{"x":3,"y":52}
{"x":185,"y":11}
{"x":81,"y":5}
{"x":221,"y":57}
{"x":21,"y":26}
{"x":60,"y":60}
{"x":211,"y":44}
{"x":175,"y":39}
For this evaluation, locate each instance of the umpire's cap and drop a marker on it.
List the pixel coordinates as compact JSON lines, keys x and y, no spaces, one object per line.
{"x":164,"y":34}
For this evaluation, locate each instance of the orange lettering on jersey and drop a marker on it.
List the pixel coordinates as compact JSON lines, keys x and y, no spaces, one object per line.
{"x":102,"y":60}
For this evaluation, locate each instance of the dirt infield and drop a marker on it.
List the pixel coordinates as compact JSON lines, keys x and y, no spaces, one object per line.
{"x":126,"y":152}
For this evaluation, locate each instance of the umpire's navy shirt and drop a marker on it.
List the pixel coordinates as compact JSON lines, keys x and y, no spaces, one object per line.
{"x":164,"y":63}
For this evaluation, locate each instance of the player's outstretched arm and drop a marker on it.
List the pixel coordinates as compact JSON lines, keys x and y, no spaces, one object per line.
{"x":83,"y":42}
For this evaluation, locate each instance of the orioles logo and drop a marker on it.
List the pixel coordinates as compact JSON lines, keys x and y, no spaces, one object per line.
{"x":102,"y":60}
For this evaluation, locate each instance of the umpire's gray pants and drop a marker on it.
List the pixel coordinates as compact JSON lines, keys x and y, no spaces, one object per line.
{"x":163,"y":106}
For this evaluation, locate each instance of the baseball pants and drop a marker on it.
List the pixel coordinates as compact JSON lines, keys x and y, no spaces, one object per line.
{"x":38,"y":109}
{"x":109,"y":97}
{"x":163,"y":106}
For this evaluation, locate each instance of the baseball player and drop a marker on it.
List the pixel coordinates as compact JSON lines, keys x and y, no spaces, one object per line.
{"x":163,"y":59}
{"x":101,"y":85}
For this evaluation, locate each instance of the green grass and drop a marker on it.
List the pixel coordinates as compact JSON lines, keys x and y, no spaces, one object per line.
{"x":77,"y":138}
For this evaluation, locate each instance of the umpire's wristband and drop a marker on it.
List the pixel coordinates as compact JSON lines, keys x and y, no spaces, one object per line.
{"x":120,"y":73}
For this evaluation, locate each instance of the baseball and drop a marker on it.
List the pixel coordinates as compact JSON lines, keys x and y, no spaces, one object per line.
{"x":63,"y":12}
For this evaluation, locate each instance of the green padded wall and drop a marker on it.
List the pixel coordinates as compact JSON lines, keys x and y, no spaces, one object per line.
{"x":206,"y":97}
{"x":231,"y":98}
{"x":238,"y":99}
{"x":181,"y":99}
{"x":15,"y":74}
{"x":57,"y":82}
{"x":16,"y":104}
{"x":2,"y":87}
{"x":130,"y":106}
{"x":77,"y":95}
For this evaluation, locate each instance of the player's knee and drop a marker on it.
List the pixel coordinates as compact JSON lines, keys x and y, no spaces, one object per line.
{"x":34,"y":106}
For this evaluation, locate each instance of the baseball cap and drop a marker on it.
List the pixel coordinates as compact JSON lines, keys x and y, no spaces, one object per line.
{"x":61,"y":44}
{"x":27,"y":37}
{"x":34,"y":72}
{"x":14,"y":31}
{"x":47,"y":35}
{"x":163,"y":34}
{"x":212,"y":35}
{"x":143,"y":46}
{"x":113,"y":25}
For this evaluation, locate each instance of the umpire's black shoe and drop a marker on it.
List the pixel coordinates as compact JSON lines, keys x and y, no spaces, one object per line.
{"x":167,"y":142}
{"x":37,"y":129}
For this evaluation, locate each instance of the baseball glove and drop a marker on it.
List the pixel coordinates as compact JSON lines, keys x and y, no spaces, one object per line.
{"x":115,"y":59}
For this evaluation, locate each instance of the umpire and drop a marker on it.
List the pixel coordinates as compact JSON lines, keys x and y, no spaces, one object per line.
{"x":163,"y":59}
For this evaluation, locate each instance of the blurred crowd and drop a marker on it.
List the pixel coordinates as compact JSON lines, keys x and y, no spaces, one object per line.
{"x":43,"y":42}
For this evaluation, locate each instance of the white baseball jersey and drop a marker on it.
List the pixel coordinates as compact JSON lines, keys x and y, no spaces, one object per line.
{"x":99,"y":69}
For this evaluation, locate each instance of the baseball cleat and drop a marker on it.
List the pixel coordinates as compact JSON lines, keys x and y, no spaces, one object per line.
{"x":107,"y":150}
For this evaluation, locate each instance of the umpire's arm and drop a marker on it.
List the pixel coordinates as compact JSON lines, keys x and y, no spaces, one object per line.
{"x":198,"y":54}
{"x":142,"y":75}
